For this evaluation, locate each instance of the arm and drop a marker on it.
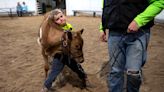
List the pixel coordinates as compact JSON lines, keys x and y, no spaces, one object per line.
{"x":155,"y":7}
{"x":102,"y":33}
{"x":103,"y":37}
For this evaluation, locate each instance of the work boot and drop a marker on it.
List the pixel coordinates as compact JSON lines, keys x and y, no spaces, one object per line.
{"x":44,"y":89}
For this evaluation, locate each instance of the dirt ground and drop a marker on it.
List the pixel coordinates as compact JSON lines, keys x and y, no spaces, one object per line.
{"x":21,"y":63}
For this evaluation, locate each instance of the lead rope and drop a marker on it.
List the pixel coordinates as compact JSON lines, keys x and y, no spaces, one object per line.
{"x":66,"y":45}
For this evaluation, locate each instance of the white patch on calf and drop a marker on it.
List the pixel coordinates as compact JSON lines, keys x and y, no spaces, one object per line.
{"x":40,"y":33}
{"x":40,"y":36}
{"x":38,"y":40}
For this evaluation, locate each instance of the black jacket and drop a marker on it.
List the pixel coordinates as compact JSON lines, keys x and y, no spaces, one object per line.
{"x":118,"y":14}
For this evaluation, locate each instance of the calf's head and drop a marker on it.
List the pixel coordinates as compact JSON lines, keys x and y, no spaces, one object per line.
{"x":76,"y":48}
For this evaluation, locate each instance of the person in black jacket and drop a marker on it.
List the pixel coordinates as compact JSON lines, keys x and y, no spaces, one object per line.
{"x":128,"y":23}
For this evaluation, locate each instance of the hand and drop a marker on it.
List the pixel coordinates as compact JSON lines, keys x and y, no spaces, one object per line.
{"x":103,"y":36}
{"x":133,"y":27}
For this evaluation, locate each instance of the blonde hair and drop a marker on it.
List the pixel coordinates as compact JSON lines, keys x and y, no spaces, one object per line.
{"x":54,"y":13}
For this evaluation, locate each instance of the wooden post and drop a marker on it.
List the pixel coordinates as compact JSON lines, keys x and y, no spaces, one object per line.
{"x":10,"y":13}
{"x":94,"y":14}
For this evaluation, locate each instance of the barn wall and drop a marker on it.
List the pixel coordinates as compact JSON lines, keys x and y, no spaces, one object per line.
{"x":160,"y":17}
{"x":93,"y":5}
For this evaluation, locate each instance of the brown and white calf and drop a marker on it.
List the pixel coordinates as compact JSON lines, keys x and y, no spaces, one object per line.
{"x":49,"y":38}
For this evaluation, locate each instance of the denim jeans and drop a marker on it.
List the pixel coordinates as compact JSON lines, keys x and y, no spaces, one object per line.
{"x":127,"y":53}
{"x":57,"y":67}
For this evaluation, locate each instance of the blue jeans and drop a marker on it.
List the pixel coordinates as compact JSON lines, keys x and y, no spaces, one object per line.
{"x":127,"y":53}
{"x":57,"y":67}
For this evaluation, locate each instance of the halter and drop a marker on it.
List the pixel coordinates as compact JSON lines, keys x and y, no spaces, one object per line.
{"x":66,"y":39}
{"x":66,"y":44}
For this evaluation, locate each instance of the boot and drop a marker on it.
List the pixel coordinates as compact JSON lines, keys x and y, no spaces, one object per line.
{"x":44,"y":89}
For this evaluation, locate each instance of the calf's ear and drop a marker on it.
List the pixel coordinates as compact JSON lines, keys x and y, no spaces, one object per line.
{"x":81,"y":31}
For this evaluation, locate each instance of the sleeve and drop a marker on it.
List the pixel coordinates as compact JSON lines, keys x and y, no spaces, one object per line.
{"x":101,"y":28}
{"x":155,"y":7}
{"x":68,"y":27}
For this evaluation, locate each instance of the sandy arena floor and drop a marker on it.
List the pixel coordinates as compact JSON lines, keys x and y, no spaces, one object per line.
{"x":21,"y":63}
